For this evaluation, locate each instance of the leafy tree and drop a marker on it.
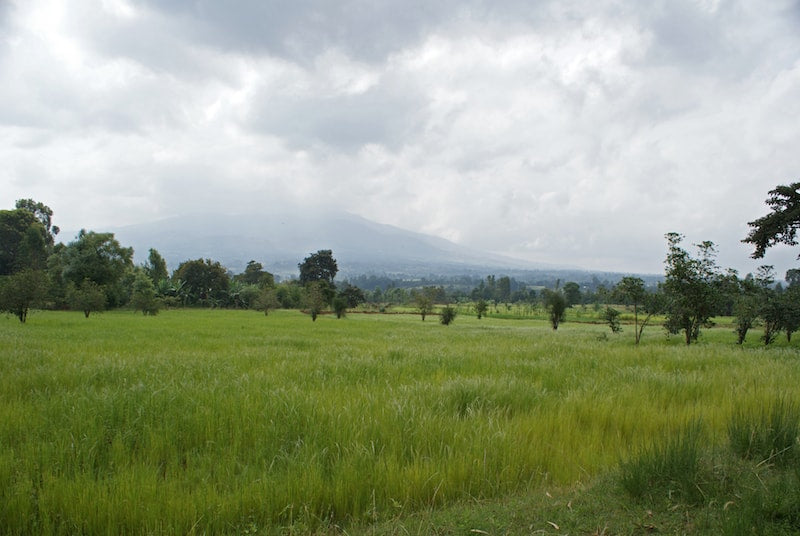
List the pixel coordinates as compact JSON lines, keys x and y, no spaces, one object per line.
{"x":21,"y":291}
{"x":631,"y":291}
{"x":340,"y":306}
{"x":556,"y":306}
{"x":98,"y":257}
{"x":144,"y":297}
{"x":503,"y":291}
{"x":448,"y":315}
{"x":791,"y":304}
{"x":254,"y":274}
{"x":23,"y":242}
{"x":88,"y":297}
{"x":156,"y":267}
{"x":572,"y":293}
{"x":319,"y":266}
{"x":352,"y":296}
{"x":779,"y":226}
{"x":267,"y":300}
{"x":689,"y":288}
{"x":746,"y":307}
{"x":611,"y":316}
{"x":206,"y":281}
{"x":315,"y":298}
{"x":480,"y":308}
{"x":43,"y":213}
{"x":424,"y":301}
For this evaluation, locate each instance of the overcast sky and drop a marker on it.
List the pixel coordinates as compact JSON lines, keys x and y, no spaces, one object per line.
{"x":572,"y":132}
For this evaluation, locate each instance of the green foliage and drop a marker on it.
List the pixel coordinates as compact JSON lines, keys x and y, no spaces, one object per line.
{"x":23,"y":242}
{"x":352,"y":295}
{"x":690,"y":288}
{"x":556,"y":306}
{"x":424,"y":300}
{"x":611,"y":316}
{"x":144,"y":297}
{"x":319,"y":266}
{"x":315,"y":298}
{"x":89,"y":297}
{"x":448,"y":314}
{"x":779,"y":226}
{"x":267,"y":300}
{"x":98,"y":257}
{"x":768,"y":434}
{"x":340,"y":307}
{"x":572,"y":293}
{"x":156,"y":267}
{"x":22,"y":291}
{"x":254,"y":274}
{"x":206,"y":282}
{"x":480,"y":308}
{"x":667,"y":466}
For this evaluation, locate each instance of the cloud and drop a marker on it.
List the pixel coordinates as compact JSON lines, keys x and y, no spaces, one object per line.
{"x":569,"y":131}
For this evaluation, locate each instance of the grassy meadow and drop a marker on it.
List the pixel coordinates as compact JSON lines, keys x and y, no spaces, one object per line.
{"x":222,"y":421}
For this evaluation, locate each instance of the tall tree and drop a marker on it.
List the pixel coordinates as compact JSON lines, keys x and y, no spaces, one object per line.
{"x":779,"y":226}
{"x":556,"y":306}
{"x":156,"y":266}
{"x":206,"y":281}
{"x":254,"y":274}
{"x":43,"y":213}
{"x":98,"y":257}
{"x":689,"y":287}
{"x":319,"y":266}
{"x":572,"y":293}
{"x":23,"y":242}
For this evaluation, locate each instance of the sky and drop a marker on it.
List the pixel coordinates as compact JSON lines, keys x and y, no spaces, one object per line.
{"x":574,"y":132}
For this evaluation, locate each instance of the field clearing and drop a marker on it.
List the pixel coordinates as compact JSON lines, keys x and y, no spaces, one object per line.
{"x":214,"y":421}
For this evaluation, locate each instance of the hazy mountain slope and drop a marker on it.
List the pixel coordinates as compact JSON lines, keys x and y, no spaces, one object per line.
{"x":280,"y":240}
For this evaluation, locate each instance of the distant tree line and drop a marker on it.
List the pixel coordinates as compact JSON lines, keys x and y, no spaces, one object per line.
{"x":94,"y":272}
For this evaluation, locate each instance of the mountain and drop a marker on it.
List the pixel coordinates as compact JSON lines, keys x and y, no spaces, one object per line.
{"x":280,"y":240}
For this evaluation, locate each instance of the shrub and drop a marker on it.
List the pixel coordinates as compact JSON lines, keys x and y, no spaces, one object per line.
{"x":448,"y":315}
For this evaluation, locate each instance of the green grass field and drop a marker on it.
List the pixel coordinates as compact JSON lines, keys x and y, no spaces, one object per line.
{"x":209,"y":421}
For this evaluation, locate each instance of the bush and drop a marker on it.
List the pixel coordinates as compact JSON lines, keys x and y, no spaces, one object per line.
{"x":448,"y":315}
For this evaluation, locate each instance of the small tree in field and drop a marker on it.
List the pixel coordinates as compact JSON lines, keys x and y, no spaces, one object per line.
{"x":480,"y":307}
{"x":448,"y":315}
{"x":143,"y":297}
{"x":611,"y":316}
{"x":21,"y":291}
{"x":315,"y":298}
{"x":89,"y":297}
{"x":340,"y":306}
{"x":556,"y":306}
{"x":424,"y":300}
{"x":267,"y":300}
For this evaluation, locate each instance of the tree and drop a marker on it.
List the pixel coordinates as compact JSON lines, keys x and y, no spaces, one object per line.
{"x":339,"y":306}
{"x":267,"y":300}
{"x":98,"y":257}
{"x":319,"y":266}
{"x":448,"y":315}
{"x":503,"y":290}
{"x":689,"y":288}
{"x":424,"y":301}
{"x":631,"y":291}
{"x":611,"y":316}
{"x":43,"y":213}
{"x":480,"y":308}
{"x":144,"y":297}
{"x":779,"y":226}
{"x":791,"y":304}
{"x":254,"y":274}
{"x":746,"y":307}
{"x":352,"y":296}
{"x":315,"y":298}
{"x":21,"y":291}
{"x":572,"y":293}
{"x":556,"y":306}
{"x":206,"y":281}
{"x":156,"y":267}
{"x":23,"y":242}
{"x":88,"y":297}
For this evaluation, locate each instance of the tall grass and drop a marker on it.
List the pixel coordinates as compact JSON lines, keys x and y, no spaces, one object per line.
{"x":219,"y":421}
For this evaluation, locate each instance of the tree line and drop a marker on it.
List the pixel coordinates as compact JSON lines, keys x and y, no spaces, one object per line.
{"x":94,"y":272}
